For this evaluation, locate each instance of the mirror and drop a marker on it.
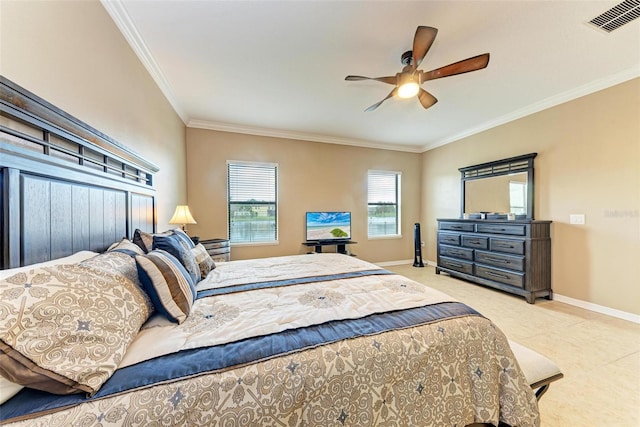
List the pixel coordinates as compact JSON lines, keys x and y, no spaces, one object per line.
{"x":496,"y":189}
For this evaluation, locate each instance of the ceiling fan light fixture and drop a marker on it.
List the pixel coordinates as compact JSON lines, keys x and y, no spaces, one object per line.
{"x":408,"y":87}
{"x":408,"y":90}
{"x":407,"y":82}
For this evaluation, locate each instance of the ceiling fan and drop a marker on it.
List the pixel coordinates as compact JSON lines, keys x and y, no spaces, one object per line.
{"x":407,"y":82}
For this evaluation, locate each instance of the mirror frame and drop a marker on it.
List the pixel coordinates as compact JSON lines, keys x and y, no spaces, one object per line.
{"x":508,"y":166}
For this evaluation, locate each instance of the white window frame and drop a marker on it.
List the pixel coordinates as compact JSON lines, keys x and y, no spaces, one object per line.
{"x":277,"y":216}
{"x":398,"y":204}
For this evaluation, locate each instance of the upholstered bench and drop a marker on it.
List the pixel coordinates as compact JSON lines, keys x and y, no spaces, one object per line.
{"x":539,"y":371}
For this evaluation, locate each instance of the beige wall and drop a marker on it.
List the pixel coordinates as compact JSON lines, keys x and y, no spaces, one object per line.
{"x":312,"y":176}
{"x":72,"y":54}
{"x":588,"y":163}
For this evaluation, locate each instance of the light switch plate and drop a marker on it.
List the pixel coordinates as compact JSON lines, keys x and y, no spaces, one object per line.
{"x":576,"y":219}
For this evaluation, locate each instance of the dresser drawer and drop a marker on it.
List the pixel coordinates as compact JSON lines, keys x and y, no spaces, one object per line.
{"x":502,"y":276}
{"x":456,"y":252}
{"x":457,"y":226}
{"x":218,"y":251}
{"x":510,"y":246}
{"x":499,"y":260}
{"x":475,"y":242}
{"x":514,"y":230}
{"x":449,"y":238}
{"x":457,"y":265}
{"x":215,"y":243}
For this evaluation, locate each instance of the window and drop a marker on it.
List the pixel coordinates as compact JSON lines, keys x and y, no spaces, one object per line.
{"x":252,"y":197}
{"x":383,"y":203}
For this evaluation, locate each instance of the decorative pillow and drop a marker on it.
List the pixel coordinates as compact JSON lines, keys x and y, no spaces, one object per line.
{"x":64,"y":329}
{"x":179,"y":249}
{"x":204,"y":260}
{"x":145,"y":240}
{"x":167,"y":283}
{"x":117,"y":262}
{"x":126,"y":246}
{"x":185,"y":237}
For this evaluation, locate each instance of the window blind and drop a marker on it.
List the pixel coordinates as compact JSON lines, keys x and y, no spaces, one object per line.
{"x":252,"y":196}
{"x":383,"y":203}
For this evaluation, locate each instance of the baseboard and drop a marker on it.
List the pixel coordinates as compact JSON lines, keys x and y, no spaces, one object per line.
{"x":403,"y":262}
{"x":631,"y":317}
{"x":390,"y":263}
{"x":635,"y":318}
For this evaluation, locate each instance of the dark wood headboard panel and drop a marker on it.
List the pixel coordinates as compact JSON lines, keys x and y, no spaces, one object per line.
{"x":65,"y":186}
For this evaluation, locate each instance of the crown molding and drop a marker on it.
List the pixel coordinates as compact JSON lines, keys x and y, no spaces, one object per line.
{"x":561,"y":98}
{"x":303,"y":136}
{"x":117,"y":11}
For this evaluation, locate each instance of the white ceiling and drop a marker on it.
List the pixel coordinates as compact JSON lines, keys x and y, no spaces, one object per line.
{"x":278,"y":67}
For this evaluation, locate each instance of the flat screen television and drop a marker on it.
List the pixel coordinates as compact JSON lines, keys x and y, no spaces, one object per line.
{"x":328,"y":226}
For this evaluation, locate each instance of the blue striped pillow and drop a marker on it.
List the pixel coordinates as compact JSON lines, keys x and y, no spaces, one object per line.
{"x":167,"y":283}
{"x":181,"y":251}
{"x":184,"y":237}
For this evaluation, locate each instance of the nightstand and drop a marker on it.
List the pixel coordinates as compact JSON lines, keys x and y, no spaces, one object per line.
{"x":218,"y":249}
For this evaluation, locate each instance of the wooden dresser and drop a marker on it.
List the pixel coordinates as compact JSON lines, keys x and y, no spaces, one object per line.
{"x":218,"y":249}
{"x":514,"y":256}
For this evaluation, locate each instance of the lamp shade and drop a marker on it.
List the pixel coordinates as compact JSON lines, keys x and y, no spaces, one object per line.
{"x":182,"y":215}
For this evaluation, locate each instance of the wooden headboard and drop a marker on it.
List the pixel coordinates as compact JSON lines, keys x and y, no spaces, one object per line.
{"x":65,"y":186}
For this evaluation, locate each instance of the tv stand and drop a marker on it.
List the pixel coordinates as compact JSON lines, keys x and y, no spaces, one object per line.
{"x":341,"y":245}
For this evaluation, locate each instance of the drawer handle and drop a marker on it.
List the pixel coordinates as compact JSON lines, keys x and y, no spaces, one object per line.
{"x":505,"y":246}
{"x":475,"y":243}
{"x":502,"y":276}
{"x":453,"y":264}
{"x":456,"y":227}
{"x":456,"y":253}
{"x":500,"y":260}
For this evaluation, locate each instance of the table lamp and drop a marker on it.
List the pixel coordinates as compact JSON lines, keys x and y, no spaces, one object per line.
{"x":182,"y":216}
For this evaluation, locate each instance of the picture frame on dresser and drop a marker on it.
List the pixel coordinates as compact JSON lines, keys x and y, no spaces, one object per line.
{"x":492,"y":245}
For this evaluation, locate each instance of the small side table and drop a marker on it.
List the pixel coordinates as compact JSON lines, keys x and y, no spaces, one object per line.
{"x":218,"y":249}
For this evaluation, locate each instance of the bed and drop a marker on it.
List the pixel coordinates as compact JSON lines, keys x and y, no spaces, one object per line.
{"x":305,"y":340}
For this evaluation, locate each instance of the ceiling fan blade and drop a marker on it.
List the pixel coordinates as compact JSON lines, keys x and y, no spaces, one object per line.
{"x":377,"y":104}
{"x":466,"y":65}
{"x":389,"y":79}
{"x":426,"y":99}
{"x":422,"y":42}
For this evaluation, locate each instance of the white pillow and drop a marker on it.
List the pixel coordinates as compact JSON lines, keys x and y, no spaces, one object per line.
{"x":7,"y":388}
{"x":71,"y":259}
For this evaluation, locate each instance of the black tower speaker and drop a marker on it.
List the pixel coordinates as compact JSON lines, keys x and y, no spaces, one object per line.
{"x":417,"y":260}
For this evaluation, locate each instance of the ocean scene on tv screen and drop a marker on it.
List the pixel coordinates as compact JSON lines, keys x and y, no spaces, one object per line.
{"x":328,"y":225}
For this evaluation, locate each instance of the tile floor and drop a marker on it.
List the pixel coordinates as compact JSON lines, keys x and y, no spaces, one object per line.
{"x":599,"y":355}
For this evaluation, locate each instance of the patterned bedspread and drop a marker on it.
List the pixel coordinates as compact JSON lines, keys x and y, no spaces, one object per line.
{"x":310,"y":340}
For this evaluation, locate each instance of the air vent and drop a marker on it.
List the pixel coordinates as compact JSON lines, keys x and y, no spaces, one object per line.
{"x":617,"y":16}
